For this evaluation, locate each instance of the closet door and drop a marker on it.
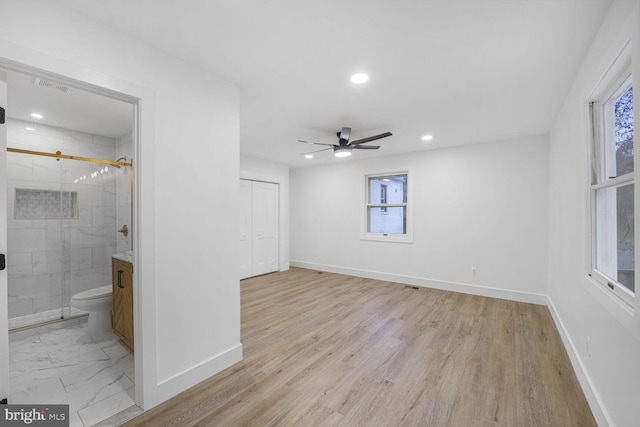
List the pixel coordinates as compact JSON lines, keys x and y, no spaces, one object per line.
{"x":245,"y":229}
{"x":259,"y":243}
{"x":265,"y":227}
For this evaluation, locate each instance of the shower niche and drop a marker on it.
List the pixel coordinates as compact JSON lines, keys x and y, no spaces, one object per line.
{"x":45,"y":204}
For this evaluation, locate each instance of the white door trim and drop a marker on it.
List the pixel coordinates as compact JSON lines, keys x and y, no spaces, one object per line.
{"x":145,"y":376}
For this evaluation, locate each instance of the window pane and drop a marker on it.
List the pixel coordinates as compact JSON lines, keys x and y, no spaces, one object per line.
{"x":615,"y":246}
{"x":624,"y":133}
{"x":393,"y":220}
{"x":395,"y":189}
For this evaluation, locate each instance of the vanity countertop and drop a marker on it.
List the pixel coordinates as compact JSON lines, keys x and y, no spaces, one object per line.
{"x":125,"y":256}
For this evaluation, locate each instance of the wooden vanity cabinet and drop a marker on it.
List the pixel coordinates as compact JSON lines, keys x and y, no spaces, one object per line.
{"x":122,"y":275}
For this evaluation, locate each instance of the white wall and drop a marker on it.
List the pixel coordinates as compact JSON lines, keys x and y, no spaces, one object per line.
{"x":266,"y":171}
{"x":479,"y":206}
{"x":187,"y":295}
{"x":611,"y":375}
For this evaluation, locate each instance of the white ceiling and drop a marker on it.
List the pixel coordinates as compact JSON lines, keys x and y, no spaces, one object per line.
{"x":466,"y":71}
{"x":66,"y":107}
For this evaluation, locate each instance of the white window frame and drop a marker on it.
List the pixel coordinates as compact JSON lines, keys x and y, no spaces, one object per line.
{"x":618,"y":81}
{"x":407,"y":237}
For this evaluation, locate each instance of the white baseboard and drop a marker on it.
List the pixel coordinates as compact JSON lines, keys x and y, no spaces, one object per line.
{"x":192,"y":376}
{"x":592,"y":396}
{"x":484,"y":291}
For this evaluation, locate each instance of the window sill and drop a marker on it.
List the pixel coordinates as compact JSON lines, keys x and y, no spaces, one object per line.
{"x":614,"y":291}
{"x":395,"y":238}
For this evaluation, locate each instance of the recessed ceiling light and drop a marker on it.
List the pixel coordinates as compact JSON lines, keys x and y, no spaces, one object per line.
{"x":427,"y":137}
{"x":359,"y":78}
{"x":308,"y":156}
{"x":30,"y":128}
{"x":36,"y":115}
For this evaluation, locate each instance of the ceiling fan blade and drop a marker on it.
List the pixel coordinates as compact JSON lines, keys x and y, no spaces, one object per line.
{"x":316,"y":143}
{"x":344,"y":136}
{"x":365,"y":147}
{"x":317,"y":151}
{"x":370,"y":138}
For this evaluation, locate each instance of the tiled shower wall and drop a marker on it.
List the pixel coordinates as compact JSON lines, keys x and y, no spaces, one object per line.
{"x":49,"y":260}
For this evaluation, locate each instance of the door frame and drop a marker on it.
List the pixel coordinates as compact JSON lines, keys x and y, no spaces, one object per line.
{"x":144,"y":372}
{"x":4,"y":298}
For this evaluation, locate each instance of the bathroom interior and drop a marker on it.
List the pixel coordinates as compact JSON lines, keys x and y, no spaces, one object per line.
{"x":70,"y":248}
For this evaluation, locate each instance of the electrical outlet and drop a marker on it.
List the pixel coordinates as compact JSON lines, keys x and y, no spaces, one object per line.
{"x":473,"y":271}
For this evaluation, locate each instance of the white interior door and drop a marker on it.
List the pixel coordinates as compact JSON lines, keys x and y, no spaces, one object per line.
{"x":264,"y":199}
{"x":4,"y":313}
{"x":259,"y":244}
{"x":245,"y":229}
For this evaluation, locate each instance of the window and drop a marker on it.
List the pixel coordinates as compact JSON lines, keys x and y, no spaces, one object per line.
{"x":613,"y":189}
{"x":387,"y":207}
{"x":383,"y":197}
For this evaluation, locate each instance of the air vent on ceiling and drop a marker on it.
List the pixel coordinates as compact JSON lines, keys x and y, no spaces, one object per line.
{"x":50,"y":83}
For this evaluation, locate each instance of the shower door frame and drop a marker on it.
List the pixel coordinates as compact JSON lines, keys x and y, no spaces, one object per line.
{"x":66,"y":274}
{"x":144,"y":373}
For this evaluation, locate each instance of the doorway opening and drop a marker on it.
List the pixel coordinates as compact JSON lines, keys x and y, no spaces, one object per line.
{"x":71,"y":150}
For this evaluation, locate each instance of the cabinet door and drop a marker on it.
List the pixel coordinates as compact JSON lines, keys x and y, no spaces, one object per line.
{"x":123,"y":301}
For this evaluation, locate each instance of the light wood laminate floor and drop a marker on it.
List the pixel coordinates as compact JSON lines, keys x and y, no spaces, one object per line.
{"x":323,"y":349}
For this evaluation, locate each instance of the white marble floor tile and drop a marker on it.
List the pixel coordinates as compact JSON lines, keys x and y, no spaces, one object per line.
{"x":95,"y":379}
{"x":46,"y":342}
{"x":107,"y":407}
{"x":74,"y":420}
{"x":76,"y":349}
{"x":115,"y":349}
{"x":37,"y":372}
{"x":59,"y":338}
{"x":24,"y":349}
{"x":130,"y":372}
{"x":95,"y":371}
{"x":26,"y":366}
{"x":46,"y":392}
{"x":96,"y":391}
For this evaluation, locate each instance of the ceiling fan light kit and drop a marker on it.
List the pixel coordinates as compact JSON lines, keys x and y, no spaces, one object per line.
{"x":344,"y":147}
{"x":343,"y":151}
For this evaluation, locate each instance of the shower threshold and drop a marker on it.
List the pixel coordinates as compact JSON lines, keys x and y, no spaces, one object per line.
{"x":30,"y":321}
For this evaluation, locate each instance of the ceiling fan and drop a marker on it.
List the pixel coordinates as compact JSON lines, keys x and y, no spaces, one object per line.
{"x":344,"y":146}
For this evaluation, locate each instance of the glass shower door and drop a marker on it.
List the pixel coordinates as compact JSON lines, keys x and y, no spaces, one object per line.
{"x":91,"y":235}
{"x":36,"y":240}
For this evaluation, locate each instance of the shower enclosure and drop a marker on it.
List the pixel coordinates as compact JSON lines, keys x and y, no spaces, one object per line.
{"x":67,"y":199}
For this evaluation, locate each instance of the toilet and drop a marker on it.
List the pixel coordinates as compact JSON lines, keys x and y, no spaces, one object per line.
{"x":97,"y":302}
